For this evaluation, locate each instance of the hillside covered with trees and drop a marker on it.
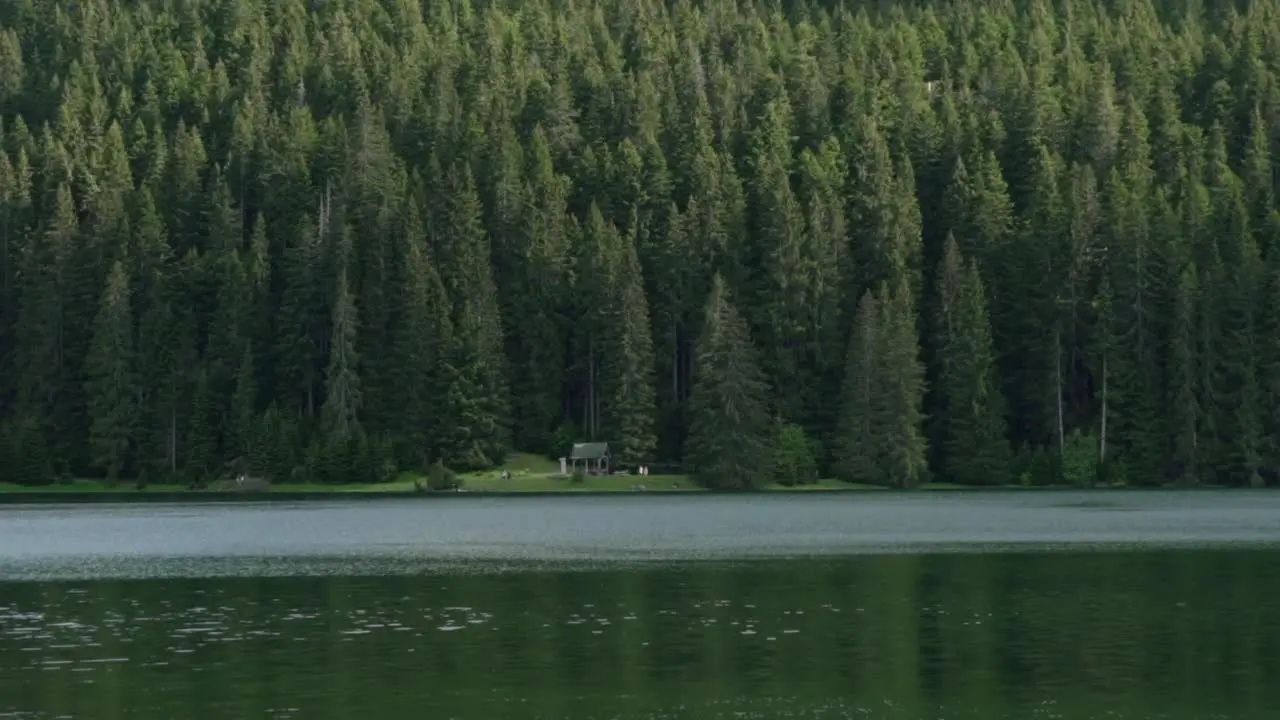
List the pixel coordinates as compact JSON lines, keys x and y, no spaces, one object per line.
{"x":1009,"y":240}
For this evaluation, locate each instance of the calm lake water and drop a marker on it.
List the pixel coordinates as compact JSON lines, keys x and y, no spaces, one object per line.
{"x":965,"y":606}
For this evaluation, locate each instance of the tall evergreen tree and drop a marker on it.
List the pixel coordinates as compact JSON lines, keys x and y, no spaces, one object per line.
{"x":342,"y":381}
{"x":858,"y":442}
{"x":244,"y":418}
{"x":421,"y":340}
{"x":111,"y":381}
{"x":1181,"y":374}
{"x":43,"y":357}
{"x":775,"y":283}
{"x":976,"y":451}
{"x":729,"y":424}
{"x":627,"y":373}
{"x":905,"y":448}
{"x":478,"y":401}
{"x":880,"y":439}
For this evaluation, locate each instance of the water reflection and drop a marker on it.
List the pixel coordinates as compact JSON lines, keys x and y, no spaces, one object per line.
{"x":439,"y":535}
{"x":1176,"y":635}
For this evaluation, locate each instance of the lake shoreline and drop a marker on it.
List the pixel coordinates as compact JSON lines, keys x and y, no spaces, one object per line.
{"x":128,"y":494}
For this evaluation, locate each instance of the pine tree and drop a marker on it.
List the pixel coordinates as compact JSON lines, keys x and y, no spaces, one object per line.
{"x":302,"y":326}
{"x":1139,"y":297}
{"x":729,"y":424}
{"x":627,"y":372}
{"x":340,"y":412}
{"x":111,"y":382}
{"x":244,"y":417}
{"x":858,"y":443}
{"x":775,"y":290}
{"x":1258,"y":174}
{"x":15,"y":202}
{"x":479,"y":397}
{"x":880,"y":212}
{"x":165,"y":342}
{"x":473,"y":434}
{"x":200,"y":434}
{"x":880,"y":439}
{"x":1269,"y":364}
{"x":42,"y":356}
{"x":537,"y":324}
{"x":1238,"y":404}
{"x":595,"y":293}
{"x":1181,"y":374}
{"x":831,"y":266}
{"x":1034,"y":373}
{"x":905,"y":450}
{"x":421,"y":338}
{"x":976,"y":449}
{"x":227,"y":290}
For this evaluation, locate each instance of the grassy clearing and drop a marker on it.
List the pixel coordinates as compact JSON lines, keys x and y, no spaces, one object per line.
{"x":824,"y":484}
{"x":529,"y":473}
{"x":532,"y":473}
{"x":81,"y":486}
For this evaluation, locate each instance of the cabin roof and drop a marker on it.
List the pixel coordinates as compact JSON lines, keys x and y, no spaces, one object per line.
{"x":589,"y":451}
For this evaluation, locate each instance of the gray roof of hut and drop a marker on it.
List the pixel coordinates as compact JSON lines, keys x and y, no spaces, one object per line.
{"x":589,"y":451}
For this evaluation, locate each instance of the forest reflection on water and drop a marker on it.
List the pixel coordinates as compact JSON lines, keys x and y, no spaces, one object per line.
{"x":1143,"y":632}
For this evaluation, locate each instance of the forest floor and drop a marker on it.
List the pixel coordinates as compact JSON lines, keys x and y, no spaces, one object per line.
{"x":529,"y":473}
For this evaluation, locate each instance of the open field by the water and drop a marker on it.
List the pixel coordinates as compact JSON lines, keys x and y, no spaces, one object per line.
{"x":529,"y":473}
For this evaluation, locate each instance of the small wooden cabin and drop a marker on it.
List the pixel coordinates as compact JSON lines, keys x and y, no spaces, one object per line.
{"x":591,"y":458}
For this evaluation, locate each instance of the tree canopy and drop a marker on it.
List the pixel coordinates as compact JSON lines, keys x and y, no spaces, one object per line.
{"x":1032,"y":241}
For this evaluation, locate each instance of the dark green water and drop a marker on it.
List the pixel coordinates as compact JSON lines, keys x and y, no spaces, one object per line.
{"x":1139,"y":632}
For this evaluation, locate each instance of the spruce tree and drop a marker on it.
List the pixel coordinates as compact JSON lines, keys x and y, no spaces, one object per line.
{"x":198,"y":457}
{"x":627,"y":373}
{"x":421,"y":340}
{"x":41,"y":331}
{"x":972,"y":404}
{"x":538,"y":323}
{"x":880,"y":438}
{"x":596,"y":293}
{"x":902,"y":417}
{"x":831,"y":264}
{"x":302,"y":326}
{"x":244,"y":399}
{"x":879,"y":203}
{"x":340,"y":412}
{"x":479,"y":396}
{"x":1269,"y":364}
{"x":1181,"y":374}
{"x":1239,"y":400}
{"x":775,"y":281}
{"x":858,"y":443}
{"x":1138,"y":301}
{"x":729,"y":424}
{"x":111,"y":382}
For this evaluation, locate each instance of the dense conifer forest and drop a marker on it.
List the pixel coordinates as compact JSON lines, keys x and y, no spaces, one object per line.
{"x":1028,"y":241}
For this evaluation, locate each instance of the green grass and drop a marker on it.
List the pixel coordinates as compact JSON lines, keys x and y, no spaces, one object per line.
{"x":532,"y":473}
{"x":87,"y":486}
{"x":529,"y":473}
{"x":824,"y":484}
